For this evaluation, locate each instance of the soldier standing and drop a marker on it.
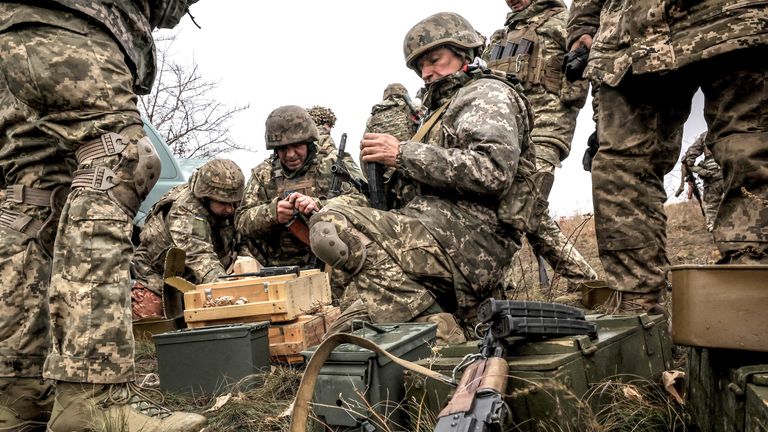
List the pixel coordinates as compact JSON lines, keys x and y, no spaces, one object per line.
{"x":532,"y":46}
{"x":68,"y":119}
{"x":325,"y":120}
{"x":445,"y":250}
{"x":650,"y":57}
{"x":293,"y":183}
{"x":197,"y":217}
{"x":711,"y":176}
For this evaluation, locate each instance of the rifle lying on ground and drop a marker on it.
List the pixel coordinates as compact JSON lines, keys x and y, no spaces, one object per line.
{"x":266,"y":271}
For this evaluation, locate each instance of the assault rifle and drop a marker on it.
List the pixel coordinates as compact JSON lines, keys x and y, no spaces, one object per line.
{"x":266,"y":271}
{"x":686,"y":176}
{"x":341,"y":174}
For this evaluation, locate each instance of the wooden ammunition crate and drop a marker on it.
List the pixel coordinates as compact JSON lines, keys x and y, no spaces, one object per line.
{"x":287,"y":341}
{"x":275,"y":299}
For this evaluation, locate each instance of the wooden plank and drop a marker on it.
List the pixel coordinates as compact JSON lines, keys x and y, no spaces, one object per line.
{"x":234,"y":311}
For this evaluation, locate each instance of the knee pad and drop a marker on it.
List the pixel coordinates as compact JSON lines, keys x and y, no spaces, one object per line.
{"x":336,"y":243}
{"x":124,"y":169}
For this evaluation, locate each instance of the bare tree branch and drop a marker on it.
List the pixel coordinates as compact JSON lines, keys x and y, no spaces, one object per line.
{"x":183,"y":108}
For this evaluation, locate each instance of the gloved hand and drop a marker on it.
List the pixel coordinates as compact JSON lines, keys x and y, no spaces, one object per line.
{"x":592,"y":145}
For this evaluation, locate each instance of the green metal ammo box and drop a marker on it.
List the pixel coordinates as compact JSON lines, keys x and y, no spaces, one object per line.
{"x":211,"y":359}
{"x":357,"y":386}
{"x":727,"y":390}
{"x":550,"y":377}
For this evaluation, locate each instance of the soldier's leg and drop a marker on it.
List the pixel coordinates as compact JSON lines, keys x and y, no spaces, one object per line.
{"x":736,"y":110}
{"x":640,"y":132}
{"x":711,"y":203}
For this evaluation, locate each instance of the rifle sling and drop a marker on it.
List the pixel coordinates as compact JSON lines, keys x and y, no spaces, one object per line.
{"x":307,"y":386}
{"x":430,"y":122}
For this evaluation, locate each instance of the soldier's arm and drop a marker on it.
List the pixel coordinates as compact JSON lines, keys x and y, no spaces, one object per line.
{"x":257,"y":214}
{"x":694,"y":151}
{"x":484,"y":114}
{"x":191,"y":231}
{"x":584,"y":19}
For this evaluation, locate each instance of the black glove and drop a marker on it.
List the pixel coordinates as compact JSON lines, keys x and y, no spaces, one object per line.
{"x":592,"y":145}
{"x":574,"y":63}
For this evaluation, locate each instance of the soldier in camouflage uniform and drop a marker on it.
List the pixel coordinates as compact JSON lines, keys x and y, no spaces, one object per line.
{"x":293,"y":183}
{"x":395,"y":115}
{"x":197,"y":217}
{"x":325,"y":120}
{"x":532,"y":46}
{"x":711,"y":176}
{"x":76,"y":166}
{"x":445,"y":250}
{"x":650,"y":57}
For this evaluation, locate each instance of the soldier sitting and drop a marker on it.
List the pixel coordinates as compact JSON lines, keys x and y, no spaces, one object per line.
{"x":196,"y":217}
{"x":294,"y":182}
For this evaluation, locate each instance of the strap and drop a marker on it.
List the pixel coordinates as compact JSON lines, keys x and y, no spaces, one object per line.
{"x":307,"y":387}
{"x":106,"y":145}
{"x":430,"y":122}
{"x":99,"y":178}
{"x":26,"y":195}
{"x":20,"y":222}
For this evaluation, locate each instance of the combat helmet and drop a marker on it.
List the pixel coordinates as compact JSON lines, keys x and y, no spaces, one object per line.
{"x":395,"y":89}
{"x":322,"y":115}
{"x":444,"y":28}
{"x":289,"y":124}
{"x":219,"y":180}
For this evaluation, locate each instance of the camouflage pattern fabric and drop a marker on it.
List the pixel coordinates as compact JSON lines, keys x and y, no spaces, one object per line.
{"x":711,"y":175}
{"x":181,"y":220}
{"x":53,"y":100}
{"x":447,"y":242}
{"x":325,"y":140}
{"x":392,"y":116}
{"x":256,"y":218}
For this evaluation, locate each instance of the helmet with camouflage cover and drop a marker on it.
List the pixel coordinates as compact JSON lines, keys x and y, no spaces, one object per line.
{"x":322,"y":115}
{"x":444,"y":28}
{"x":289,"y":124}
{"x":395,"y":89}
{"x":220,"y":180}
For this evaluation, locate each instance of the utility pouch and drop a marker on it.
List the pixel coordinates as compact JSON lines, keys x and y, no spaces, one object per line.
{"x":525,"y":202}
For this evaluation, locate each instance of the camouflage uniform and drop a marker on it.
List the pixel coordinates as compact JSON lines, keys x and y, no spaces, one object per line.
{"x":650,"y":57}
{"x":393,"y":115}
{"x":183,"y":220}
{"x":555,"y":103}
{"x":325,"y":120}
{"x":711,"y":175}
{"x":68,"y":118}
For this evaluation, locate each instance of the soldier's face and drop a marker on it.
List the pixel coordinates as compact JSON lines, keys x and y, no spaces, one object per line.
{"x":438,"y":63}
{"x":221,"y":209}
{"x":518,"y":5}
{"x":292,"y":156}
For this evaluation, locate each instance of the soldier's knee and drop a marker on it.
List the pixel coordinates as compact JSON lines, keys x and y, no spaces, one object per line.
{"x":337,"y":243}
{"x":125,"y":165}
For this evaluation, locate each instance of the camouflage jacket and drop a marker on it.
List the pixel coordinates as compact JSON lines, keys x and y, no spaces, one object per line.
{"x":649,"y":36}
{"x":461,"y":170}
{"x":392,"y":116}
{"x":325,"y":140}
{"x":555,"y":101}
{"x":256,"y":219}
{"x":708,"y":169}
{"x":181,"y":220}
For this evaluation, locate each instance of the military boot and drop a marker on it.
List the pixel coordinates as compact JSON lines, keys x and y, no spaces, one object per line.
{"x":120,"y":407}
{"x":629,"y":302}
{"x":25,"y":404}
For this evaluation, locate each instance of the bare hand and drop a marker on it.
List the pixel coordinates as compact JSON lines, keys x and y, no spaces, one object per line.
{"x":583,"y":40}
{"x":304,"y":204}
{"x":381,"y":148}
{"x":284,"y":211}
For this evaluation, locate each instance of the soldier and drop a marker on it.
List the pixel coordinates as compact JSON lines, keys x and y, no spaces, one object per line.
{"x":197,"y":217}
{"x":68,"y":119}
{"x":445,"y":250}
{"x":532,"y":46}
{"x":292,"y":184}
{"x":650,"y":57}
{"x":711,"y":176}
{"x":325,"y":120}
{"x":396,"y":115}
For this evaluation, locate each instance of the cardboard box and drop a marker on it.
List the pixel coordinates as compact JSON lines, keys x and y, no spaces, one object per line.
{"x":275,"y":298}
{"x":720,"y":306}
{"x":212,"y":359}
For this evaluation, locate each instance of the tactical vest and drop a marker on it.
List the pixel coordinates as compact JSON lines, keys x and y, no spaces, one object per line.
{"x":524,"y":203}
{"x":393,"y":118}
{"x":522,"y":53}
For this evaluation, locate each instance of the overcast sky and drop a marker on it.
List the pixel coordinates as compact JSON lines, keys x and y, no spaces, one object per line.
{"x":341,"y":54}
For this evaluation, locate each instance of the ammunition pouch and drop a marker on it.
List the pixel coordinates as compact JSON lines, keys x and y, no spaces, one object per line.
{"x":525,"y":202}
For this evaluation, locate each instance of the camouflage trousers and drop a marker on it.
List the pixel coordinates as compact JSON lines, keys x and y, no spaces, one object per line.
{"x":713,"y":194}
{"x":640,"y":131}
{"x":60,"y":89}
{"x":405,"y":271}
